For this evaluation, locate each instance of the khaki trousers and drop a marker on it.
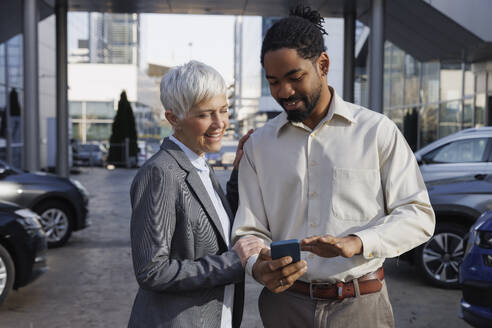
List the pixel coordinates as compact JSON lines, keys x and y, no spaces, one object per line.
{"x":289,"y":309}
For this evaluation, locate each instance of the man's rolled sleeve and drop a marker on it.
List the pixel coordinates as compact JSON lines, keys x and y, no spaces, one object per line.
{"x":370,"y":243}
{"x":410,"y":219}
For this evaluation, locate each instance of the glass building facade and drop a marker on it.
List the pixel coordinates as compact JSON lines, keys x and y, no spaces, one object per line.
{"x":429,"y":100}
{"x":11,"y":97}
{"x":93,"y":121}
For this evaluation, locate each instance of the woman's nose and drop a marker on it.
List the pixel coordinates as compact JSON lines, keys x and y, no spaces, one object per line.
{"x":218,"y":121}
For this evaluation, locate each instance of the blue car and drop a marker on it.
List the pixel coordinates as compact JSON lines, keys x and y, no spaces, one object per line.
{"x":475,"y":274}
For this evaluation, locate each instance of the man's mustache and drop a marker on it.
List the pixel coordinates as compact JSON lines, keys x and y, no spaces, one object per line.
{"x":290,"y":99}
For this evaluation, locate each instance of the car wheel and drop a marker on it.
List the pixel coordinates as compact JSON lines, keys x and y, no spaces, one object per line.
{"x":440,"y":257}
{"x":57,"y":222}
{"x":7,"y":274}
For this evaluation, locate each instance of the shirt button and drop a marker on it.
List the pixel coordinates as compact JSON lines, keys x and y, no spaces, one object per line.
{"x":314,"y":163}
{"x":313,"y":194}
{"x":314,"y":225}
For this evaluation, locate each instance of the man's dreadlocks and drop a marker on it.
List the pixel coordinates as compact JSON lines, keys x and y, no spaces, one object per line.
{"x":302,"y":30}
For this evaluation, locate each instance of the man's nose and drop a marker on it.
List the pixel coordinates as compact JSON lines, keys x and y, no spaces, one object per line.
{"x":285,"y":91}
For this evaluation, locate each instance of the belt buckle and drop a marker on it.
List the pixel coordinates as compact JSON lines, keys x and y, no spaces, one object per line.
{"x":311,"y":292}
{"x":339,"y":290}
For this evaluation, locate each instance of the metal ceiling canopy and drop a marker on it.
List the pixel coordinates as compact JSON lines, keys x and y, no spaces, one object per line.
{"x":414,"y":26}
{"x":11,"y":17}
{"x":331,"y":8}
{"x":427,"y":34}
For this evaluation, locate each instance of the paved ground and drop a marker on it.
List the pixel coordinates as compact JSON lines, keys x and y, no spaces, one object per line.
{"x":91,"y":284}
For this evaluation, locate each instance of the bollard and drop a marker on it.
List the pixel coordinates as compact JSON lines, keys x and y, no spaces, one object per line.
{"x":127,"y":152}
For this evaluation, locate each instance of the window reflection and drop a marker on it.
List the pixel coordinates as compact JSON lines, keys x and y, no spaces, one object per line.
{"x":412,"y":73}
{"x":15,"y":62}
{"x":435,"y":98}
{"x":428,"y":124}
{"x":430,"y":82}
{"x":450,"y":118}
{"x":468,"y":112}
{"x":451,"y":81}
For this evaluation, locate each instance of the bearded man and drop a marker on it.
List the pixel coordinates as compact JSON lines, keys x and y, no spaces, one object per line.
{"x":335,"y":175}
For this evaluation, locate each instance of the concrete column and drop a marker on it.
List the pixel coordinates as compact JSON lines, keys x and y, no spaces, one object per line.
{"x":30,"y":116}
{"x":8,"y":129}
{"x":62,"y":142}
{"x":376,"y":56}
{"x":348,"y":56}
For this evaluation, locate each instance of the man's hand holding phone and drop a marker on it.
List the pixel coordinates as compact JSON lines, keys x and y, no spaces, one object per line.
{"x":279,"y":274}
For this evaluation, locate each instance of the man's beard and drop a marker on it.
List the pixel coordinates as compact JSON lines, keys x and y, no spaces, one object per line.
{"x":300,"y":115}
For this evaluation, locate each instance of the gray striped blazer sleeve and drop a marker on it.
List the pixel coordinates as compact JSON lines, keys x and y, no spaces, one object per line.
{"x":154,"y":209}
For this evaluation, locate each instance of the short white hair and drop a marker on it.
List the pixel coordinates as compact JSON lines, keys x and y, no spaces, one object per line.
{"x":188,"y":85}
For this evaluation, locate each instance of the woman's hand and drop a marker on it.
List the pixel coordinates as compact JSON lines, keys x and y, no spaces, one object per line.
{"x":239,"y":151}
{"x":247,"y":246}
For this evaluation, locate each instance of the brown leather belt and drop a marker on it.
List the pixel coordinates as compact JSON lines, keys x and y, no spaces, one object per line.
{"x":369,"y":283}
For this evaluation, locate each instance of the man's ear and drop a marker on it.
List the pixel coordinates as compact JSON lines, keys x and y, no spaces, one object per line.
{"x":171,"y":118}
{"x":324,"y":63}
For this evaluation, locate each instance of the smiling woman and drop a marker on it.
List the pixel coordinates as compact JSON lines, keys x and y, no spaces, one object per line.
{"x":181,"y":218}
{"x":204,"y":125}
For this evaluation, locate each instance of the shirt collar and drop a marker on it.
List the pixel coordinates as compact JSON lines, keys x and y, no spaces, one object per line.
{"x":337,"y":107}
{"x":196,"y":160}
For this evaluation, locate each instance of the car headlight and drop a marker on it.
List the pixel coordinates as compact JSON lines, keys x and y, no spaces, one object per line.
{"x":474,"y":231}
{"x":484,"y":239}
{"x":29,"y":220}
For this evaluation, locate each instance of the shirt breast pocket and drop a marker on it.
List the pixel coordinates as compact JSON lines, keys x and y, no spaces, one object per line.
{"x":356,"y":194}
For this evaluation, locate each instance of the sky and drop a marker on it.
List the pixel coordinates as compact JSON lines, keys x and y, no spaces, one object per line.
{"x":172,"y":40}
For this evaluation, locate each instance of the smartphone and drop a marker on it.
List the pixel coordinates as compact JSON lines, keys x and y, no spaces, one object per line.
{"x":291,"y":247}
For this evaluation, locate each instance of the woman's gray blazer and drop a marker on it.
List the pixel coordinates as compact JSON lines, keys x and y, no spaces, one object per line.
{"x":180,"y":257}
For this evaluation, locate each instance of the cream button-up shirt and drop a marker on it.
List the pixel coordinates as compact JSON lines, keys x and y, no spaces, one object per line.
{"x":354,"y":173}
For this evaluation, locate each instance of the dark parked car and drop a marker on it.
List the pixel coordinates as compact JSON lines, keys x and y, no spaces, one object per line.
{"x":22,"y":248}
{"x":476,"y":274}
{"x":90,"y":155}
{"x":62,"y":203}
{"x":457,"y":202}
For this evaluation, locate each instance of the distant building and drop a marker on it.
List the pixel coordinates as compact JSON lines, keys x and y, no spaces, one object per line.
{"x":103,"y":61}
{"x":99,"y":38}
